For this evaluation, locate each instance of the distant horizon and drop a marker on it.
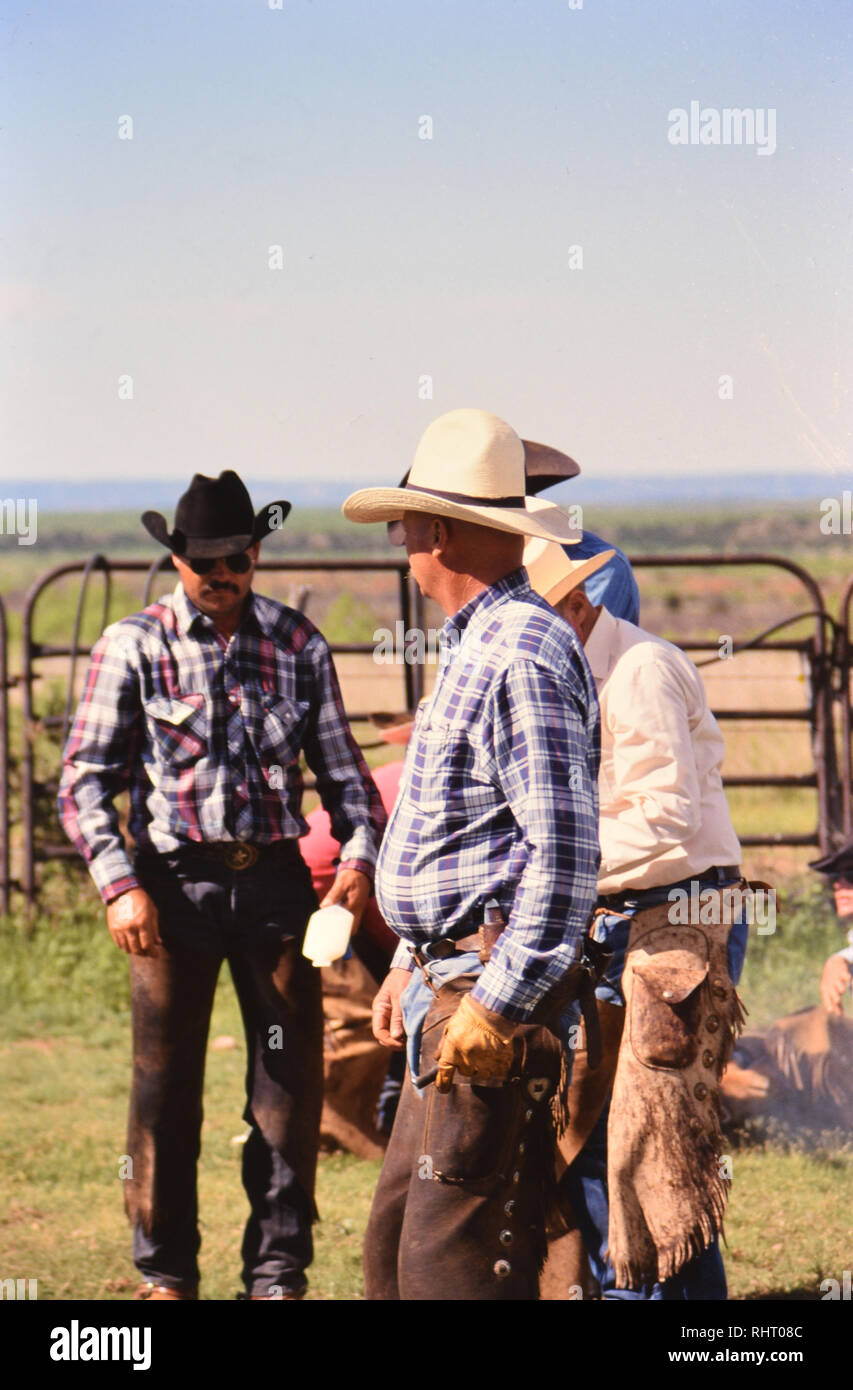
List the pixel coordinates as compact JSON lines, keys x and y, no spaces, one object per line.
{"x":60,"y":496}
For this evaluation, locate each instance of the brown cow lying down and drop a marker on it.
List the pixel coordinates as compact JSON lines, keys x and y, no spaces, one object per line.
{"x":800,"y":1071}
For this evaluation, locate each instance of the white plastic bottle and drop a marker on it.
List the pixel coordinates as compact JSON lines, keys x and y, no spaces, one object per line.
{"x":327,"y":935}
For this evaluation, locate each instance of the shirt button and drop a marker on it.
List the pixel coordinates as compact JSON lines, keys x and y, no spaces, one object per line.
{"x":234,"y":695}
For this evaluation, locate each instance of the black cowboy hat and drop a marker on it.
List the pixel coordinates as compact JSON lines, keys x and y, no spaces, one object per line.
{"x":840,"y":862}
{"x":215,"y":517}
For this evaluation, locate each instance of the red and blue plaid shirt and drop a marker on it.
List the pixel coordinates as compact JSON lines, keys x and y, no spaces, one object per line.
{"x":206,"y":734}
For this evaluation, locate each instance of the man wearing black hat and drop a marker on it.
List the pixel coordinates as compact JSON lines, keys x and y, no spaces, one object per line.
{"x":837,"y":976}
{"x":200,"y":706}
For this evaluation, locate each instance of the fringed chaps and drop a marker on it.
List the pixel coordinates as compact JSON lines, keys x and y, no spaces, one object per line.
{"x":667,"y":1186}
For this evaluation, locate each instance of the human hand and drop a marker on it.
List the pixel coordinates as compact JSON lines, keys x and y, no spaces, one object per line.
{"x":744,"y":1083}
{"x":351,"y":889}
{"x":387,"y":1013}
{"x":477,"y":1042}
{"x":834,"y":981}
{"x":134,"y":923}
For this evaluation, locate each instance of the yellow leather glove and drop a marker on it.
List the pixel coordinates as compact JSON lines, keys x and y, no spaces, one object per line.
{"x":477,"y":1042}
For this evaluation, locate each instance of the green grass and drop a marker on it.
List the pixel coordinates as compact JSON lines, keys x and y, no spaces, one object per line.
{"x":65,"y":1068}
{"x":788,"y":1225}
{"x":63,"y":1115}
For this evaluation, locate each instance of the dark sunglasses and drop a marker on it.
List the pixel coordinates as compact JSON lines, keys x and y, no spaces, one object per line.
{"x":238,"y":564}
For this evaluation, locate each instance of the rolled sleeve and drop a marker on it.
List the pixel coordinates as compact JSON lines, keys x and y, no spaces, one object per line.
{"x":402,"y":958}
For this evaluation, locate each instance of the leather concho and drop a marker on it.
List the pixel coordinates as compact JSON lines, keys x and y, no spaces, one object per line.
{"x":667,"y":1186}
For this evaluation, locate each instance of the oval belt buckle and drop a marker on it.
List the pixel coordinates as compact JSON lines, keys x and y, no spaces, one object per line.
{"x":242,"y":856}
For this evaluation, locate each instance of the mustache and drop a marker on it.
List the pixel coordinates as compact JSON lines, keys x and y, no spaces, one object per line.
{"x":216,"y":585}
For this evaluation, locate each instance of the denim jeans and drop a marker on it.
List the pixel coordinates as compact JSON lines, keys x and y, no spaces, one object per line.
{"x":255,"y":919}
{"x":703,"y":1277}
{"x":418,"y":997}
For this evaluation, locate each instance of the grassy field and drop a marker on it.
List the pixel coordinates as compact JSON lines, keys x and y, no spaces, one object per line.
{"x":64,"y":1060}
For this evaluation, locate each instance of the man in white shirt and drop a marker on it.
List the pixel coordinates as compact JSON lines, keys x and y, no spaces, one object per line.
{"x":664,"y":825}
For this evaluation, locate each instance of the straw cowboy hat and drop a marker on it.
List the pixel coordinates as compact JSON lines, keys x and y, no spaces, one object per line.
{"x":470,"y":465}
{"x":215,"y":517}
{"x":552,"y":574}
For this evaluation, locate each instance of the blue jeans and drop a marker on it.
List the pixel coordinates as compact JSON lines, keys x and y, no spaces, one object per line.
{"x":418,"y":997}
{"x":255,"y":919}
{"x":703,"y":1277}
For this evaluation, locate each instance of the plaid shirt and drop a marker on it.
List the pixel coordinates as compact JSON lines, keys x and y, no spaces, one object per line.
{"x":499,"y":797}
{"x":206,"y":733}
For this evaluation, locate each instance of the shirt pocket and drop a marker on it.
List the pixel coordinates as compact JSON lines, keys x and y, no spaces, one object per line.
{"x":178,"y":728}
{"x":446,"y":775}
{"x":283,"y":730}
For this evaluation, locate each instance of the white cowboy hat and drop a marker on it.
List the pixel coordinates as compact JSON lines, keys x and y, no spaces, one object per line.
{"x":469,"y":464}
{"x":552,"y":574}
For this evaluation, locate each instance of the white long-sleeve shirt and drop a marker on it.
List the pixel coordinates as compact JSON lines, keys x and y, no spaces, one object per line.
{"x":663,"y":811}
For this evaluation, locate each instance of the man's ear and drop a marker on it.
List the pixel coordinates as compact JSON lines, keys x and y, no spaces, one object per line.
{"x":439,"y":533}
{"x":575,"y":603}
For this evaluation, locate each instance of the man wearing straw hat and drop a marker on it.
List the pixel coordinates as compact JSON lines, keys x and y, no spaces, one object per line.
{"x":200,"y":706}
{"x":646,"y":1184}
{"x":487,"y":873}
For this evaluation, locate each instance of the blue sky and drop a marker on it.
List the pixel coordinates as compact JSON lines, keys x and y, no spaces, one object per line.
{"x":403,"y":258}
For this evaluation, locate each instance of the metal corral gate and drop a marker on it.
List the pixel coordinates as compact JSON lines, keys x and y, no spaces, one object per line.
{"x":820,"y":654}
{"x":817,"y":652}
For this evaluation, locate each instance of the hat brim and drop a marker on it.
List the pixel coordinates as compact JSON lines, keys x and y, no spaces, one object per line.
{"x":156,"y":526}
{"x":579,"y":573}
{"x":839,"y":862}
{"x":271,"y":518}
{"x":535,"y":518}
{"x":545,"y":467}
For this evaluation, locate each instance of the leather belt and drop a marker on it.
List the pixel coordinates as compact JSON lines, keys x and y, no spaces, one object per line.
{"x":482,"y":941}
{"x":235,"y":854}
{"x":723,"y":874}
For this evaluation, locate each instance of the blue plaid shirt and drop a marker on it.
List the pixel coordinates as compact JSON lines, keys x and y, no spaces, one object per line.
{"x":499,"y":797}
{"x":206,"y":733}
